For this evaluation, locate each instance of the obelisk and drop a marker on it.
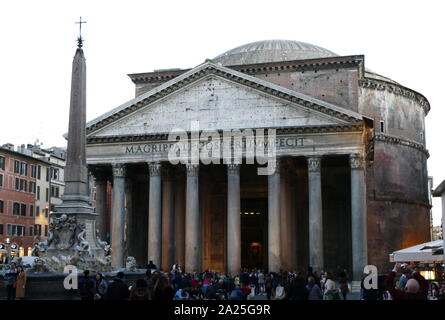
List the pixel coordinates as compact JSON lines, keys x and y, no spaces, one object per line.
{"x":75,"y":200}
{"x":76,"y":174}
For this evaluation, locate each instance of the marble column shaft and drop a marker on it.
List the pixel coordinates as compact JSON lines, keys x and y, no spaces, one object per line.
{"x":285,"y":219}
{"x":130,"y":233}
{"x":315,"y":214}
{"x":192,"y":221}
{"x":274,"y":238}
{"x":101,"y":205}
{"x":168,"y":226}
{"x":118,"y":217}
{"x":296,"y":245}
{"x":359,"y":220}
{"x":180,"y":220}
{"x":155,"y":215}
{"x":233,"y":220}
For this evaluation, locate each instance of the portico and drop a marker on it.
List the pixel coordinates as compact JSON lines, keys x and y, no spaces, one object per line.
{"x":194,"y":214}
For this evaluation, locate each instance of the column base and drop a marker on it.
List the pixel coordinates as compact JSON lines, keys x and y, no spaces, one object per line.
{"x":356,"y":286}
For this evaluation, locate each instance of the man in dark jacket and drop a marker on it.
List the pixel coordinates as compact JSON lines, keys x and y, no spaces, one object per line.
{"x":118,"y":289}
{"x":11,"y":278}
{"x":416,"y":287}
{"x":86,"y":286}
{"x":151,"y":266}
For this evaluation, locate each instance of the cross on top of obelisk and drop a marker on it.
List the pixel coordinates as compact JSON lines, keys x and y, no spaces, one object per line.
{"x":79,"y":39}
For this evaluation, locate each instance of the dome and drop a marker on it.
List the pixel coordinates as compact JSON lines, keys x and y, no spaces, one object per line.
{"x":272,"y":51}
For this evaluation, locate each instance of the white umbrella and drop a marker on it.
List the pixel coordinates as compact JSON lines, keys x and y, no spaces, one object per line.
{"x":425,"y":252}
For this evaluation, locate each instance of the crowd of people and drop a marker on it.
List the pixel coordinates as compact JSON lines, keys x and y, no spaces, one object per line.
{"x":247,"y":285}
{"x":208,"y":285}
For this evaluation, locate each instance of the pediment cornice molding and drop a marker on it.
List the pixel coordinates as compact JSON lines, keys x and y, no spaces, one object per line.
{"x":207,"y":69}
{"x":279,"y":131}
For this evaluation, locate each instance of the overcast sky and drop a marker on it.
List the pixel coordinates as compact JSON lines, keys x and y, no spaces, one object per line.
{"x":402,"y":40}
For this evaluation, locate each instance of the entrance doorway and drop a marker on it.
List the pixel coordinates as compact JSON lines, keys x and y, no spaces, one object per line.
{"x":254,"y":233}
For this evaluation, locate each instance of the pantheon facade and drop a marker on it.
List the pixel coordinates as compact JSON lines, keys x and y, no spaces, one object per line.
{"x":350,"y":185}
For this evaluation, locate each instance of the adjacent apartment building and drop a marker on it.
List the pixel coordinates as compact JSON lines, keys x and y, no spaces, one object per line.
{"x":31,"y":185}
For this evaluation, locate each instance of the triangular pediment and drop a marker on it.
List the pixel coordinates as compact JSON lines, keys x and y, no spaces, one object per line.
{"x":220,"y":99}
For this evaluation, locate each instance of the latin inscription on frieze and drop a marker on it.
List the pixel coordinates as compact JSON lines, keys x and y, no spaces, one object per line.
{"x":148,"y":148}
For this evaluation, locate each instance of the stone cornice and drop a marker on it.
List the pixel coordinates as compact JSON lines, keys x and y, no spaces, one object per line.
{"x":279,"y":131}
{"x":301,"y":65}
{"x":401,"y":141}
{"x":237,"y":77}
{"x":396,"y":89}
{"x":294,"y":65}
{"x":155,"y":77}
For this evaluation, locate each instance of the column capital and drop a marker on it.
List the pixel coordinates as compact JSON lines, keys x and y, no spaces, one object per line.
{"x":192,"y":169}
{"x":233,"y":168}
{"x":154,"y":168}
{"x":356,"y":161}
{"x":314,"y":163}
{"x":119,"y":170}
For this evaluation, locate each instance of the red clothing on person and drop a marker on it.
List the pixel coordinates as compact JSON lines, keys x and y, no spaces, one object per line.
{"x":194,"y":283}
{"x":397,"y":294}
{"x":246,"y":290}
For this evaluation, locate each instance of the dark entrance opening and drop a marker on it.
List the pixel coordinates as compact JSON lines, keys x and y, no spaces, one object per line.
{"x":254,"y":233}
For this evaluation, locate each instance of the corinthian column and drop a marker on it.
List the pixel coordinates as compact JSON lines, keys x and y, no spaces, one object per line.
{"x":154,"y":214}
{"x":233,"y":220}
{"x":274,"y":238}
{"x":101,"y":202}
{"x":287,"y":246}
{"x":180,"y":219}
{"x":192,"y":221}
{"x":358,"y":217}
{"x":118,"y":217}
{"x":168,"y":226}
{"x":315,"y":214}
